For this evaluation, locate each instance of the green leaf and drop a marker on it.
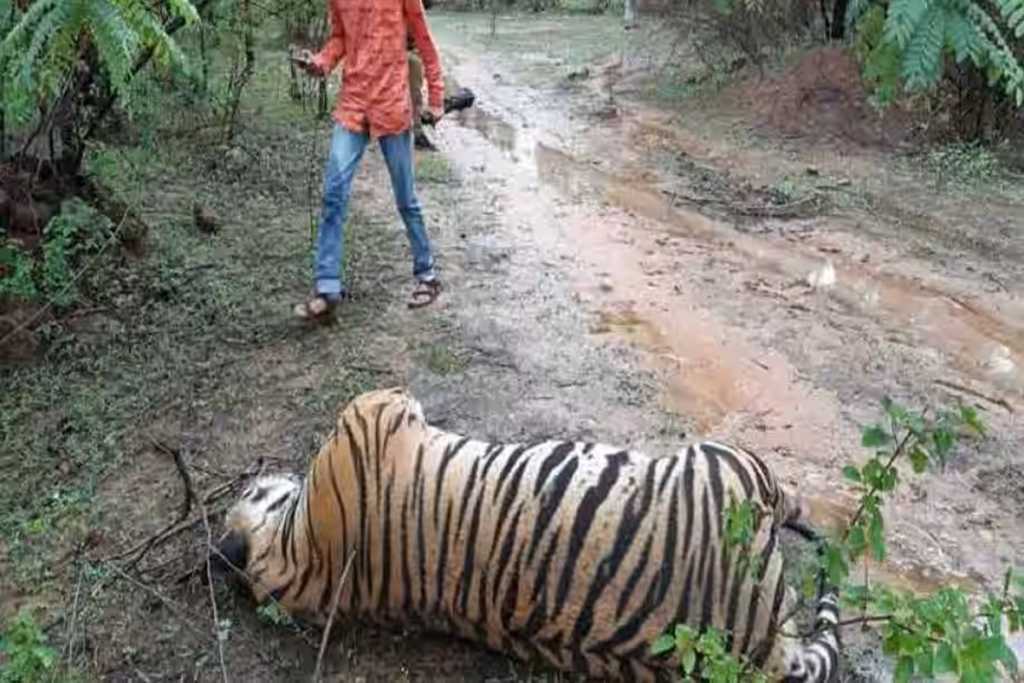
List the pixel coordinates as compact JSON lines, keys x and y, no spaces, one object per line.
{"x":874,"y":436}
{"x":852,"y":473}
{"x":835,"y":564}
{"x":904,"y":669}
{"x":662,"y":644}
{"x":918,"y":459}
{"x":945,"y":659}
{"x":876,"y":537}
{"x":689,"y":661}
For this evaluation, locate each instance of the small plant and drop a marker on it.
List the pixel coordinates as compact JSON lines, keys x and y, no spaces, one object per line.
{"x":703,"y":655}
{"x":941,"y":633}
{"x":16,"y":281}
{"x":963,"y":164}
{"x":26,"y":656}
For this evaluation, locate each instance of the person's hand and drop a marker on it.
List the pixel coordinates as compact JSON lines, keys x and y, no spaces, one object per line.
{"x":304,"y":60}
{"x":432,"y":115}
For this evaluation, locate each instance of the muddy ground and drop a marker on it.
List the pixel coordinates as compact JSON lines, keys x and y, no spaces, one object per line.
{"x":618,"y":266}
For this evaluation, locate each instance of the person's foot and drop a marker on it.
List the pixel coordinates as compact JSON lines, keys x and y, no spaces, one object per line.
{"x":318,"y":307}
{"x":425,"y":292}
{"x":423,"y":142}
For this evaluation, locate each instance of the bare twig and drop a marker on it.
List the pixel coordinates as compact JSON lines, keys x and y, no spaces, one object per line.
{"x":330,"y":617}
{"x":179,"y":462}
{"x":1001,"y":402}
{"x":213,"y":596}
{"x":69,"y":648}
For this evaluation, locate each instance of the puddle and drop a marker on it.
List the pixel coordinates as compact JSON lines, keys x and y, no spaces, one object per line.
{"x":725,"y":386}
{"x":982,"y":345}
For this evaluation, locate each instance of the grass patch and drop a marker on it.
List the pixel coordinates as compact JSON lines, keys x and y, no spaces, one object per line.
{"x":197,"y":336}
{"x":433,"y":168}
{"x":442,"y":359}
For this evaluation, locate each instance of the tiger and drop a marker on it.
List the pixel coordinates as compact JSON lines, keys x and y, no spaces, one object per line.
{"x":578,"y":555}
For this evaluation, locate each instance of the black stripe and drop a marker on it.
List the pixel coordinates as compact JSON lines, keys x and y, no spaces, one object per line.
{"x":739,"y":468}
{"x":449,"y":452}
{"x":468,"y":573}
{"x":421,"y":544}
{"x":503,"y":557}
{"x":634,"y":577}
{"x":541,"y":578}
{"x":467,"y":490}
{"x":385,"y":563}
{"x":667,"y":477}
{"x":549,"y":505}
{"x":506,"y":504}
{"x":557,"y":456}
{"x":279,"y":502}
{"x":404,"y":540}
{"x":584,"y":518}
{"x":327,"y":594}
{"x":442,"y":559}
{"x":708,"y":567}
{"x":608,"y":567}
{"x":363,"y":513}
{"x":512,"y":458}
{"x":491,"y":456}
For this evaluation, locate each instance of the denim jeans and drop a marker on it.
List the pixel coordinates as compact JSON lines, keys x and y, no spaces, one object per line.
{"x":346,"y":152}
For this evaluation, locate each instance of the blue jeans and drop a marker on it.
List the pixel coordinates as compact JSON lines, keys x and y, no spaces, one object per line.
{"x":346,"y":152}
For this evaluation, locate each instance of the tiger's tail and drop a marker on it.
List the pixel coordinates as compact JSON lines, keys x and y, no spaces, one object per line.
{"x":817,"y":661}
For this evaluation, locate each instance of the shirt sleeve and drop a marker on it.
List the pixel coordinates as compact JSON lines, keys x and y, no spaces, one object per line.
{"x":334,"y":48}
{"x":416,"y":22}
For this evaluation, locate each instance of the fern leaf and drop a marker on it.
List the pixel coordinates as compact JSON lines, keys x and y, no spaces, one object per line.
{"x":115,"y":41}
{"x":854,"y":11}
{"x":904,"y":19}
{"x":964,"y":38}
{"x":184,"y":9}
{"x":922,"y":60}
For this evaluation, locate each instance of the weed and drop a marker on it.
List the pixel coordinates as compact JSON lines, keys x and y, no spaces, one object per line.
{"x":441,"y":359}
{"x":433,"y":168}
{"x":28,"y":657}
{"x":963,"y":165}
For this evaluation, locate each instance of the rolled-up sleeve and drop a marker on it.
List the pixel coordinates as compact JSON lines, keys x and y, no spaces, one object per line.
{"x":416,"y":22}
{"x":334,"y":49}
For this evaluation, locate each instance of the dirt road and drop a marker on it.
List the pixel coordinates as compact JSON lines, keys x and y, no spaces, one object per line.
{"x":779,"y":333}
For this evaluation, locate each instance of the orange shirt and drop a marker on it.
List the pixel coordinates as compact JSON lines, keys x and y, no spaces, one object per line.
{"x":371,"y":36}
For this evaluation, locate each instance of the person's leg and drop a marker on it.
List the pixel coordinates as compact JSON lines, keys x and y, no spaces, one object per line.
{"x":397,"y":151}
{"x":346,"y":151}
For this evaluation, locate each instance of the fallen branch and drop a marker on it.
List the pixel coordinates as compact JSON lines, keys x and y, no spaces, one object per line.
{"x":330,"y":617}
{"x":213,"y":595}
{"x":1001,"y":402}
{"x":179,"y":462}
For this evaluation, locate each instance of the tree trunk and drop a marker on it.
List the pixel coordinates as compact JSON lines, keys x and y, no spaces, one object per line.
{"x":629,"y":17}
{"x":839,"y":8}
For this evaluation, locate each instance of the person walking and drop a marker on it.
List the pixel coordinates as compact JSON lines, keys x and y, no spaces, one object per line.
{"x":374,"y":103}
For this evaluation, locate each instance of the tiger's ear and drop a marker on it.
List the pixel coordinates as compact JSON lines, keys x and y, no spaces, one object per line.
{"x":231,"y":555}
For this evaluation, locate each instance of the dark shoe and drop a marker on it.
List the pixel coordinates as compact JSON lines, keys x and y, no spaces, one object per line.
{"x":424,"y":293}
{"x":423,"y":142}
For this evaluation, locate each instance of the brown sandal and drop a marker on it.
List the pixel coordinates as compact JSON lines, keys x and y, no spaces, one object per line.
{"x":317,"y":308}
{"x":424,"y":293}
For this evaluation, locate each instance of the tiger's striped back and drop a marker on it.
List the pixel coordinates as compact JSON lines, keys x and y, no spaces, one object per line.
{"x":579,"y":554}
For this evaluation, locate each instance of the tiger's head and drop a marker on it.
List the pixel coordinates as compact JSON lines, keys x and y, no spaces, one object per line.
{"x":250,"y":528}
{"x":284,"y":523}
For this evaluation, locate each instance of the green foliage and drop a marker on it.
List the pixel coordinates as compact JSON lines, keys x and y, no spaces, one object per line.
{"x":44,"y":45}
{"x":909,"y":48}
{"x":742,"y":520}
{"x":703,"y":655}
{"x":76,"y":231}
{"x":963,"y":164}
{"x":938,"y":633}
{"x":16,"y":279}
{"x":28,"y":657}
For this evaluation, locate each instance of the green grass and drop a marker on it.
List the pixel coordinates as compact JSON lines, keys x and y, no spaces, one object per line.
{"x":194,"y":331}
